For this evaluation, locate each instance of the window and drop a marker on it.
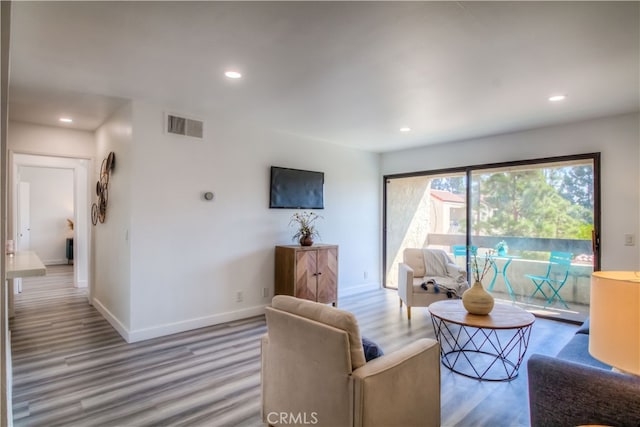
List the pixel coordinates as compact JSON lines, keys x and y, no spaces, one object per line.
{"x":525,"y":216}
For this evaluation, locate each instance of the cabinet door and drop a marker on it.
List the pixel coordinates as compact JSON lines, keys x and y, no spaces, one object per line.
{"x":306,"y":268}
{"x":327,"y":275}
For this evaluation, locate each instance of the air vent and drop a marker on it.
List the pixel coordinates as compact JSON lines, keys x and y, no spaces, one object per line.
{"x":184,"y":126}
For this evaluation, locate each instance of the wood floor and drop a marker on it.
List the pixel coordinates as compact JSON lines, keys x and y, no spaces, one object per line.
{"x":71,"y":368}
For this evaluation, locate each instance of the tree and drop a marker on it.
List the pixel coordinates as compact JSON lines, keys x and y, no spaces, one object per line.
{"x":574,"y":183}
{"x":524,"y":203}
{"x":454,"y":184}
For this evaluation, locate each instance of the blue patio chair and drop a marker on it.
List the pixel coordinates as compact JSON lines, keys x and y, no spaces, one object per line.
{"x":556,"y":277}
{"x":461,"y":250}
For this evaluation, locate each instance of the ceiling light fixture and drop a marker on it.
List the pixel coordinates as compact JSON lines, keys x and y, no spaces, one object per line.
{"x":66,"y":120}
{"x":232,"y":74}
{"x":405,"y":129}
{"x":556,"y":98}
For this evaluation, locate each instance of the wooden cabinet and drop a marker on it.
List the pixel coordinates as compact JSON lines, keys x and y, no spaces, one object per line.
{"x":309,"y":272}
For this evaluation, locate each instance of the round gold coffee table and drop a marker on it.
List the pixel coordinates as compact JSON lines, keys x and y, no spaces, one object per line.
{"x":489,"y":348}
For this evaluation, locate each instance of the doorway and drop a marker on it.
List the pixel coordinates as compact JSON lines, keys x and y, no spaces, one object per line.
{"x":66,"y":169}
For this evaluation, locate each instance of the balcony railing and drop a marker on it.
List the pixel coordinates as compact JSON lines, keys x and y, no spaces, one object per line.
{"x":576,"y":289}
{"x":574,"y":246}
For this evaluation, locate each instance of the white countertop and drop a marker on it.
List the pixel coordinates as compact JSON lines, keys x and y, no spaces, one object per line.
{"x":24,"y":264}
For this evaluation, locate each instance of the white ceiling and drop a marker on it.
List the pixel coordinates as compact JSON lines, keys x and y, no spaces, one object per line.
{"x":351,"y":73}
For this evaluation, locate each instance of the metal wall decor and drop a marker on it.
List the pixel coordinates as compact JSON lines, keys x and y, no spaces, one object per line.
{"x":99,"y":209}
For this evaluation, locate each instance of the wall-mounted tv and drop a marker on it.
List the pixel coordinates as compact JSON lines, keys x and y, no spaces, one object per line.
{"x":296,"y":189}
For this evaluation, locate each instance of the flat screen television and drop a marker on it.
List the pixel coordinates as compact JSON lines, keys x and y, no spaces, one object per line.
{"x":296,"y":189}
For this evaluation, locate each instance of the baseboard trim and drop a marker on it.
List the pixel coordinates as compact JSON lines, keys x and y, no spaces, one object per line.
{"x":187,"y":325}
{"x":82,"y":284}
{"x":112,"y":319}
{"x":351,"y":290}
{"x":59,"y":261}
{"x":173,"y":328}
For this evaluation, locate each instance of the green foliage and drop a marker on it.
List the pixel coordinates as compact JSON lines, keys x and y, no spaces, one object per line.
{"x":574,"y":183}
{"x":455,"y":184}
{"x":525,"y":203}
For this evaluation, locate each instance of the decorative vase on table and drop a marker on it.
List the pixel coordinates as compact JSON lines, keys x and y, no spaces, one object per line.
{"x":304,"y":222}
{"x":476,"y":300}
{"x":502,"y":248}
{"x":306,"y":241}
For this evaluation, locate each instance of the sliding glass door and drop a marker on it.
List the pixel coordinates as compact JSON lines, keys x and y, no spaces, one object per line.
{"x":537,"y":222}
{"x":423,"y":211}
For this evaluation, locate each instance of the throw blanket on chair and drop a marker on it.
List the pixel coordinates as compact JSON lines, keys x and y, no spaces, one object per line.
{"x":435,"y":263}
{"x":441,"y":272}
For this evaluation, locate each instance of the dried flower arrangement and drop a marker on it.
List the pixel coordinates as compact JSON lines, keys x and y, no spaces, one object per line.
{"x":479,"y":273}
{"x":304,"y":221}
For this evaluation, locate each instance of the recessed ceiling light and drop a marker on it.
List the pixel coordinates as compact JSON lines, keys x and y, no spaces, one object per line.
{"x":66,"y":120}
{"x":405,"y":129}
{"x":232,"y":74}
{"x":556,"y":98}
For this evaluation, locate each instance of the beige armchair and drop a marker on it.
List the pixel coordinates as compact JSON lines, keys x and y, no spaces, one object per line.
{"x":428,"y":266}
{"x":314,"y":372}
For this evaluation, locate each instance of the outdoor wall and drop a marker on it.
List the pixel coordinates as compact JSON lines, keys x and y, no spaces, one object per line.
{"x":617,"y":138}
{"x":409,"y":212}
{"x":51,"y":202}
{"x":190,"y":257}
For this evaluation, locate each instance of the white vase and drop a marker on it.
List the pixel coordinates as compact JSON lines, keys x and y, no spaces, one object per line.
{"x":476,"y":300}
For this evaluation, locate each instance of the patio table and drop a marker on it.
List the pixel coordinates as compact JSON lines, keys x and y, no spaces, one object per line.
{"x":508,"y":259}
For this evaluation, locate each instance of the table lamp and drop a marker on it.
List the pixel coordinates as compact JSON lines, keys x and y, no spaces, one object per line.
{"x":614,"y":336}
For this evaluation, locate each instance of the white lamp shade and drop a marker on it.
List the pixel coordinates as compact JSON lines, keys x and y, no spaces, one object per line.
{"x":614,"y":331}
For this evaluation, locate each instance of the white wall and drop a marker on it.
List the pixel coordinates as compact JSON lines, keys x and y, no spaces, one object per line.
{"x":51,"y":203}
{"x":190,"y":257}
{"x":165,"y":260}
{"x":29,"y":138}
{"x":112,"y":254}
{"x":52,"y":141}
{"x":617,"y":138}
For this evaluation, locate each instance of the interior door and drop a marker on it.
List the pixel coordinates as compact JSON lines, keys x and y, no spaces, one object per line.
{"x":24,"y":216}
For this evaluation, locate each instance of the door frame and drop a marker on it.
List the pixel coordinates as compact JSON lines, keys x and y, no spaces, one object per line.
{"x":24,"y":189}
{"x":81,"y":199}
{"x":594,"y":157}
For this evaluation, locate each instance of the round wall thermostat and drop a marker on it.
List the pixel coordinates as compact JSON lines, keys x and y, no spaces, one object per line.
{"x":208,"y":195}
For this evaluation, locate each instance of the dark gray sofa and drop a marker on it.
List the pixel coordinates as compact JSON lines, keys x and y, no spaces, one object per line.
{"x":574,"y":389}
